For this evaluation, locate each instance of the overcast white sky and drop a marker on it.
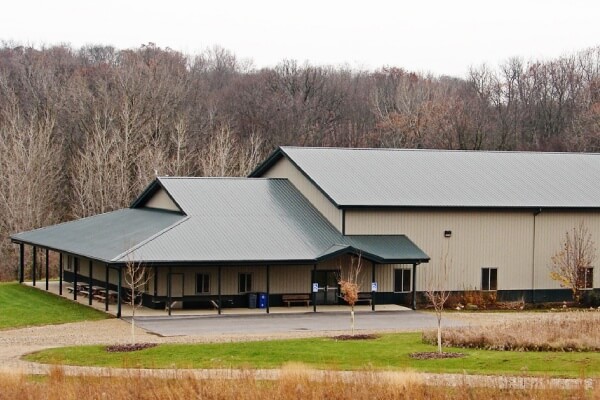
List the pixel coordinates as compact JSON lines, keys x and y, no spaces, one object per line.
{"x":444,"y":37}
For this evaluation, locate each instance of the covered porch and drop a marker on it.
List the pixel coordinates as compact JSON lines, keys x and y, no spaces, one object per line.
{"x":285,"y":287}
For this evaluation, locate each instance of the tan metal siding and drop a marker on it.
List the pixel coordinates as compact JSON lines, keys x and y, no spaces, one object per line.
{"x":285,"y":169}
{"x":479,"y":239}
{"x":384,"y":275}
{"x":162,"y":200}
{"x":98,"y":270}
{"x":229,"y":279}
{"x":189,"y":279}
{"x":550,"y":232}
{"x":291,"y":279}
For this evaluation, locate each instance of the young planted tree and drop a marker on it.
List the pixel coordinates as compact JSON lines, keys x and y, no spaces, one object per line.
{"x":350,"y":285}
{"x":570,"y":264}
{"x":136,"y":277}
{"x":437,"y":293}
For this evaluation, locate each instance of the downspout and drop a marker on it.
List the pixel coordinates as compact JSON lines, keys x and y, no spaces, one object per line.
{"x":535,"y":214}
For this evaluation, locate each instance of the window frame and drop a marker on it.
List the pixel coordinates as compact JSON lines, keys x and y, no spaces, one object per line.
{"x":406,"y":272}
{"x":205,"y":282}
{"x":247,"y":282}
{"x":488,"y":287}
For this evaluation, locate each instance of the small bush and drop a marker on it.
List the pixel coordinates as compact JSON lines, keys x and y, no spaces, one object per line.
{"x":472,"y":299}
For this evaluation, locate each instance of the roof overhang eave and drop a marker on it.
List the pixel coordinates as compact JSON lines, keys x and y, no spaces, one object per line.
{"x":371,"y":257}
{"x":267,"y":163}
{"x":58,"y":250}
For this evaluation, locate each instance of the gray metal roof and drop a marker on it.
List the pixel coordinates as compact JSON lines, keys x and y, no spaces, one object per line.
{"x":254,"y":220}
{"x":438,"y":178}
{"x":102,"y":237}
{"x":229,"y":220}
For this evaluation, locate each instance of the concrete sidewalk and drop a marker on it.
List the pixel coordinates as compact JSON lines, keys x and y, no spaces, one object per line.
{"x":53,"y":287}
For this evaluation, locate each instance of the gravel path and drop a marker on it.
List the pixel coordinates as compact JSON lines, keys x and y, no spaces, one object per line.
{"x":17,"y":342}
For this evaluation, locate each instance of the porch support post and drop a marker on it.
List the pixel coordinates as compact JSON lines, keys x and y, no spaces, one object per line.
{"x":47,"y":256}
{"x":106,"y":288}
{"x":75,"y":265}
{"x":414,"y":286}
{"x":120,"y":280}
{"x":34,"y":266}
{"x":268,"y":286}
{"x":219,"y":288}
{"x":155,"y":284}
{"x":90,"y":270}
{"x":169,"y":291}
{"x":21,"y":262}
{"x":314,"y":294}
{"x":60,"y":273}
{"x":373,"y":293}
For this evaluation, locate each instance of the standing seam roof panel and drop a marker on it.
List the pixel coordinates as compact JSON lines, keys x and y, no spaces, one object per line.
{"x":444,"y":178}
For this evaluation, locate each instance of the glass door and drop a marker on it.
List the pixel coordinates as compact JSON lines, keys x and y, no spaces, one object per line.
{"x":328,"y":287}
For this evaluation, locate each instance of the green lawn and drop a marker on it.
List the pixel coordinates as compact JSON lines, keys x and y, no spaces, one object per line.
{"x":390,"y":352}
{"x":25,"y":306}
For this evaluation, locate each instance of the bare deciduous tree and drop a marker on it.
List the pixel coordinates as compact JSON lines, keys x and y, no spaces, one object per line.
{"x":348,"y":279}
{"x":117,"y":116}
{"x":226,"y":155}
{"x":437,"y":293}
{"x":31,"y":177}
{"x":137,"y":277}
{"x":569,"y":264}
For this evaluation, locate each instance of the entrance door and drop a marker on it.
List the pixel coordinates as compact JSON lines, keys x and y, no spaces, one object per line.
{"x":328,"y":287}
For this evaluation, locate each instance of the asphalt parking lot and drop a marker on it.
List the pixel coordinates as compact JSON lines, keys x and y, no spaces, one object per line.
{"x":285,"y":323}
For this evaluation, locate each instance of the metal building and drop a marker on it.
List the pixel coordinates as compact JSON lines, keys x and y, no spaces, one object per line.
{"x":486,"y":221}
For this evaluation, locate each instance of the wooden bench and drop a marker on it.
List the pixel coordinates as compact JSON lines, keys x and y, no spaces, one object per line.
{"x":296,"y":298}
{"x":365,"y":298}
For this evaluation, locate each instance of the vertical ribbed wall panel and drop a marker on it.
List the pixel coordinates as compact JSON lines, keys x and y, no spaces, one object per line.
{"x":479,"y":239}
{"x":285,"y":169}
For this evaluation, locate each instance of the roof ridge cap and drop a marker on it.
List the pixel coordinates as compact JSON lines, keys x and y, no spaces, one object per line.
{"x":394,"y":149}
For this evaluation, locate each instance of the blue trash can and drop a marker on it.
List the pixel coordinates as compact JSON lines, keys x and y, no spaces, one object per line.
{"x":262,"y":300}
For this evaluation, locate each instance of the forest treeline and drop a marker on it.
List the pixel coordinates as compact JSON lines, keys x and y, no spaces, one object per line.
{"x":83,"y":131}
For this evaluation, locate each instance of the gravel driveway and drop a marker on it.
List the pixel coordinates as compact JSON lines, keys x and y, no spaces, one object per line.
{"x":15,"y":343}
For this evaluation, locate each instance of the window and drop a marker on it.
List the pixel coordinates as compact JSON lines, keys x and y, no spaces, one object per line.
{"x":402,"y":280}
{"x":489,"y":279}
{"x":588,"y":278}
{"x":244,"y":282}
{"x":76,"y":264}
{"x":202,"y":283}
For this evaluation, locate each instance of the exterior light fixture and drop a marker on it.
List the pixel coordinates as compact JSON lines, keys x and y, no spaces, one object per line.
{"x":447,"y":234}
